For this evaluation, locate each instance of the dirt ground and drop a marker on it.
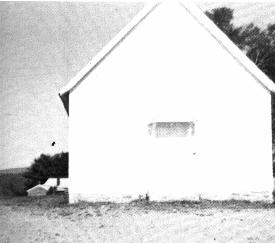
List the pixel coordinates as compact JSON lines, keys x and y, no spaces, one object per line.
{"x":50,"y":219}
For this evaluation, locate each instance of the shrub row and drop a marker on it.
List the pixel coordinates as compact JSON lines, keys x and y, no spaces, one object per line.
{"x":12,"y":185}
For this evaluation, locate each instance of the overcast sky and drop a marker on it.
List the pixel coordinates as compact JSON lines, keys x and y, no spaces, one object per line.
{"x":43,"y":45}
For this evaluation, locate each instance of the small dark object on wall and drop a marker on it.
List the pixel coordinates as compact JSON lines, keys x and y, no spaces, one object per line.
{"x":53,"y":143}
{"x":147,"y":198}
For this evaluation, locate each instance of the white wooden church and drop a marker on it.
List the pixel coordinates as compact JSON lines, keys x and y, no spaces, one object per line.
{"x":170,"y":108}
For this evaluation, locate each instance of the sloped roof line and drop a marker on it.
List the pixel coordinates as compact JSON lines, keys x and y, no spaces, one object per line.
{"x":229,"y":46}
{"x":41,"y":186}
{"x":202,"y":19}
{"x":108,"y":48}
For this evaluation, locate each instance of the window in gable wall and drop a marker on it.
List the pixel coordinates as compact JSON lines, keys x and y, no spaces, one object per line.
{"x":171,"y":129}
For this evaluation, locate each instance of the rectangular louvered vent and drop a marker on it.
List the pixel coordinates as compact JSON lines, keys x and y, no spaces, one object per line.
{"x":171,"y":129}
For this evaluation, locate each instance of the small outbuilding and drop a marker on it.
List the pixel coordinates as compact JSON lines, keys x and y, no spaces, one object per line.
{"x":170,"y":108}
{"x":59,"y":184}
{"x":38,"y":190}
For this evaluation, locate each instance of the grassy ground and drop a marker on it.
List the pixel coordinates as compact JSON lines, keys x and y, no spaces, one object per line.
{"x":51,"y":219}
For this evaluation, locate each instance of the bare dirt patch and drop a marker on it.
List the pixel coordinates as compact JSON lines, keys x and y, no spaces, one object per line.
{"x":51,"y":219}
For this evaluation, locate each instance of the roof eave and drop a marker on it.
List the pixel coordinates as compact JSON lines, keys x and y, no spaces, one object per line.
{"x":65,"y":100}
{"x":73,"y":83}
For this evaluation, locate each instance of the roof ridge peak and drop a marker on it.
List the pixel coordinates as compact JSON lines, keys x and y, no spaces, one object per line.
{"x":200,"y":17}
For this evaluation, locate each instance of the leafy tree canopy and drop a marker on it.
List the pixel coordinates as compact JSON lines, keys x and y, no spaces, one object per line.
{"x":223,"y":18}
{"x":257,"y":43}
{"x":46,"y":166}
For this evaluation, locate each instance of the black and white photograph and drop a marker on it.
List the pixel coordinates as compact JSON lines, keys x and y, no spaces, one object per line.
{"x":137,"y":121}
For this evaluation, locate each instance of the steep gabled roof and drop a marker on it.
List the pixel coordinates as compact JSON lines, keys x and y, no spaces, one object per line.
{"x":200,"y":17}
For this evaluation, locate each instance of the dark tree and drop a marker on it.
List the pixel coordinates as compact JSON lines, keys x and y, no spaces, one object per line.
{"x":258,"y":44}
{"x":223,"y":18}
{"x":46,"y":166}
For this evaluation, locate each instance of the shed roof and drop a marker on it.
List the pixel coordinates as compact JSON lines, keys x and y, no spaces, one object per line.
{"x":200,"y":17}
{"x":45,"y":187}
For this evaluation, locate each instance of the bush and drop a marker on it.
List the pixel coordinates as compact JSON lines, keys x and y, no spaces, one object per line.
{"x":46,"y":166}
{"x":12,"y":185}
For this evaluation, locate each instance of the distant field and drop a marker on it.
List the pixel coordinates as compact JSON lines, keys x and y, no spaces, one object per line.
{"x":51,"y":219}
{"x":13,"y":171}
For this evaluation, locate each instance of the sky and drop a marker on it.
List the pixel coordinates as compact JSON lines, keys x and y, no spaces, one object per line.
{"x":43,"y":45}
